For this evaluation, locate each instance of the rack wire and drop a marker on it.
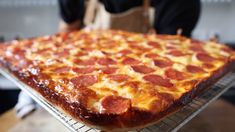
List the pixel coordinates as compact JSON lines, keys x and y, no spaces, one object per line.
{"x":170,"y":123}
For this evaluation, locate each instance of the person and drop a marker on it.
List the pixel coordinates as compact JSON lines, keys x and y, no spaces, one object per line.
{"x":169,"y":15}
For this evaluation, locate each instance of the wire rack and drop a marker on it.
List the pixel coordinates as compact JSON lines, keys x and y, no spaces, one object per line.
{"x":170,"y":123}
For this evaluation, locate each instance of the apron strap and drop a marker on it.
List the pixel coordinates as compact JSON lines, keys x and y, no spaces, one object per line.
{"x":146,"y":6}
{"x":89,"y":16}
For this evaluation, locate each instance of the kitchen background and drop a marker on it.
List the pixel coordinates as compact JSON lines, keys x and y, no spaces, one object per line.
{"x":30,"y":18}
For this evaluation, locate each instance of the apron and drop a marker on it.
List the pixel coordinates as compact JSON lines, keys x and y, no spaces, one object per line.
{"x":137,"y":19}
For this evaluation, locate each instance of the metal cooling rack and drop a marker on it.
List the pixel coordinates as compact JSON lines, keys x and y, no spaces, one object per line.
{"x":170,"y":123}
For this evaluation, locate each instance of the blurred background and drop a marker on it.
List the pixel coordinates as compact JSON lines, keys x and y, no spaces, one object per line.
{"x":31,"y":18}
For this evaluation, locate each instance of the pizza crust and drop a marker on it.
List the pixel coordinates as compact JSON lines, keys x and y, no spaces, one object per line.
{"x":133,"y":118}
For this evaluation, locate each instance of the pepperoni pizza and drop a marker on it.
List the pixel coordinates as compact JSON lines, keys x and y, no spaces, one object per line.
{"x":116,"y":80}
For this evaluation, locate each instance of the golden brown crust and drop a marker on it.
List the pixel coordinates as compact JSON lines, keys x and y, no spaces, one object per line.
{"x":126,"y":118}
{"x":134,"y":118}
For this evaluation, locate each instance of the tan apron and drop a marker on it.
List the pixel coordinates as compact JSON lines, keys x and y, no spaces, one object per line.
{"x":137,"y":19}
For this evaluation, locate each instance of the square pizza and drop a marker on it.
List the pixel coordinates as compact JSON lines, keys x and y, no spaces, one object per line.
{"x":117,"y":80}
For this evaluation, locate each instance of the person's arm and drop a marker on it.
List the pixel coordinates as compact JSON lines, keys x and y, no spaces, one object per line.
{"x":171,"y":15}
{"x":66,"y":27}
{"x":72,"y":13}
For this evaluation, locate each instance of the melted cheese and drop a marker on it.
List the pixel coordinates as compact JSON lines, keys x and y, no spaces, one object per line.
{"x":145,"y":95}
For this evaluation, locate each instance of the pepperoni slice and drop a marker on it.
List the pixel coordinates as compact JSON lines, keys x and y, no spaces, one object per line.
{"x":89,"y":41}
{"x":87,"y":62}
{"x":64,"y":69}
{"x":115,"y":104}
{"x":171,"y":47}
{"x":174,"y":74}
{"x":108,"y":70}
{"x":83,"y":36}
{"x":119,"y":77}
{"x":81,"y":54}
{"x":142,"y":69}
{"x":158,"y":80}
{"x":130,"y":61}
{"x":110,"y":43}
{"x":196,"y":48}
{"x":140,"y":48}
{"x":106,"y":61}
{"x":84,"y":95}
{"x":19,"y":53}
{"x":154,"y":44}
{"x":86,"y":49}
{"x":42,"y":51}
{"x":172,"y":43}
{"x":63,"y":53}
{"x":205,"y":57}
{"x":227,"y":49}
{"x":163,"y":37}
{"x":86,"y":92}
{"x":160,"y":104}
{"x":152,"y":55}
{"x":208,"y":65}
{"x":176,"y":53}
{"x":28,"y":43}
{"x":162,"y":63}
{"x":85,"y":70}
{"x":84,"y":80}
{"x":132,"y":84}
{"x":125,"y":52}
{"x":196,"y":42}
{"x":194,"y":69}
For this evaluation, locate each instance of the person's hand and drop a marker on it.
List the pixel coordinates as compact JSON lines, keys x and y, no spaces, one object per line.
{"x":152,"y":31}
{"x":25,"y":105}
{"x":64,"y":27}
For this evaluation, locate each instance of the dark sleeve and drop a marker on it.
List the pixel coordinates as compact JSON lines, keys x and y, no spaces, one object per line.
{"x":171,"y":15}
{"x":71,"y":10}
